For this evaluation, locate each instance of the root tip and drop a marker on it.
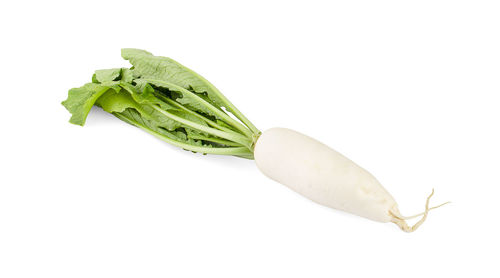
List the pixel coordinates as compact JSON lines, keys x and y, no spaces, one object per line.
{"x":399,"y":220}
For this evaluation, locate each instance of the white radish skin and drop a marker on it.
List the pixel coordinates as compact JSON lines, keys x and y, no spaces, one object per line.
{"x":325,"y":176}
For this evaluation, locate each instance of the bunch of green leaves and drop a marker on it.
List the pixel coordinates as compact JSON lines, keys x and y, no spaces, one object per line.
{"x":169,"y":101}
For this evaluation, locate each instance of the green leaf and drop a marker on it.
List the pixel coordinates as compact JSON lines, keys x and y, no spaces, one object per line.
{"x":115,"y":85}
{"x":166,"y":100}
{"x":127,"y":75}
{"x":136,"y":118}
{"x":146,"y":95}
{"x":80,"y":101}
{"x":113,"y":101}
{"x":192,"y":118}
{"x":147,"y":66}
{"x":107,"y":74}
{"x":156,"y":67}
{"x":144,"y":102}
{"x":188,"y":99}
{"x":151,"y":114}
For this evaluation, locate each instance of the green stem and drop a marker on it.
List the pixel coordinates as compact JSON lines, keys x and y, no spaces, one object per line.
{"x":232,"y":136}
{"x":246,"y":156}
{"x":215,"y":140}
{"x":214,"y":109}
{"x":237,"y":151}
{"x":231,"y":108}
{"x":180,"y":106}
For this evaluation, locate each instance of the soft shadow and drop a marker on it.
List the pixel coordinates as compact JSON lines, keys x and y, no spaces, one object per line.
{"x":99,"y":117}
{"x":225,"y":161}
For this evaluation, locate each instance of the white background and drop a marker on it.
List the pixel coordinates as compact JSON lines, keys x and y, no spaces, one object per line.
{"x":407,"y":89}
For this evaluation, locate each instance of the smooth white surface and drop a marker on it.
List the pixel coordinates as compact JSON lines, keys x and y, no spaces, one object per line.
{"x":408,"y":90}
{"x":322,"y":174}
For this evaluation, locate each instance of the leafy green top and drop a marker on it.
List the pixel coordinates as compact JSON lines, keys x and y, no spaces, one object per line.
{"x":168,"y":100}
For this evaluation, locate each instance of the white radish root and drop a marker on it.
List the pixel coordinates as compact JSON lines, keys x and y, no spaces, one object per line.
{"x":325,"y":176}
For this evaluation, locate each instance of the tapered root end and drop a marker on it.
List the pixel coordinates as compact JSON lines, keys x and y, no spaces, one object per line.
{"x":399,"y":220}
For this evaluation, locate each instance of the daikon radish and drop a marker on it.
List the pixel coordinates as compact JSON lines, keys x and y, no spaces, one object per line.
{"x":173,"y":103}
{"x":325,"y":176}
